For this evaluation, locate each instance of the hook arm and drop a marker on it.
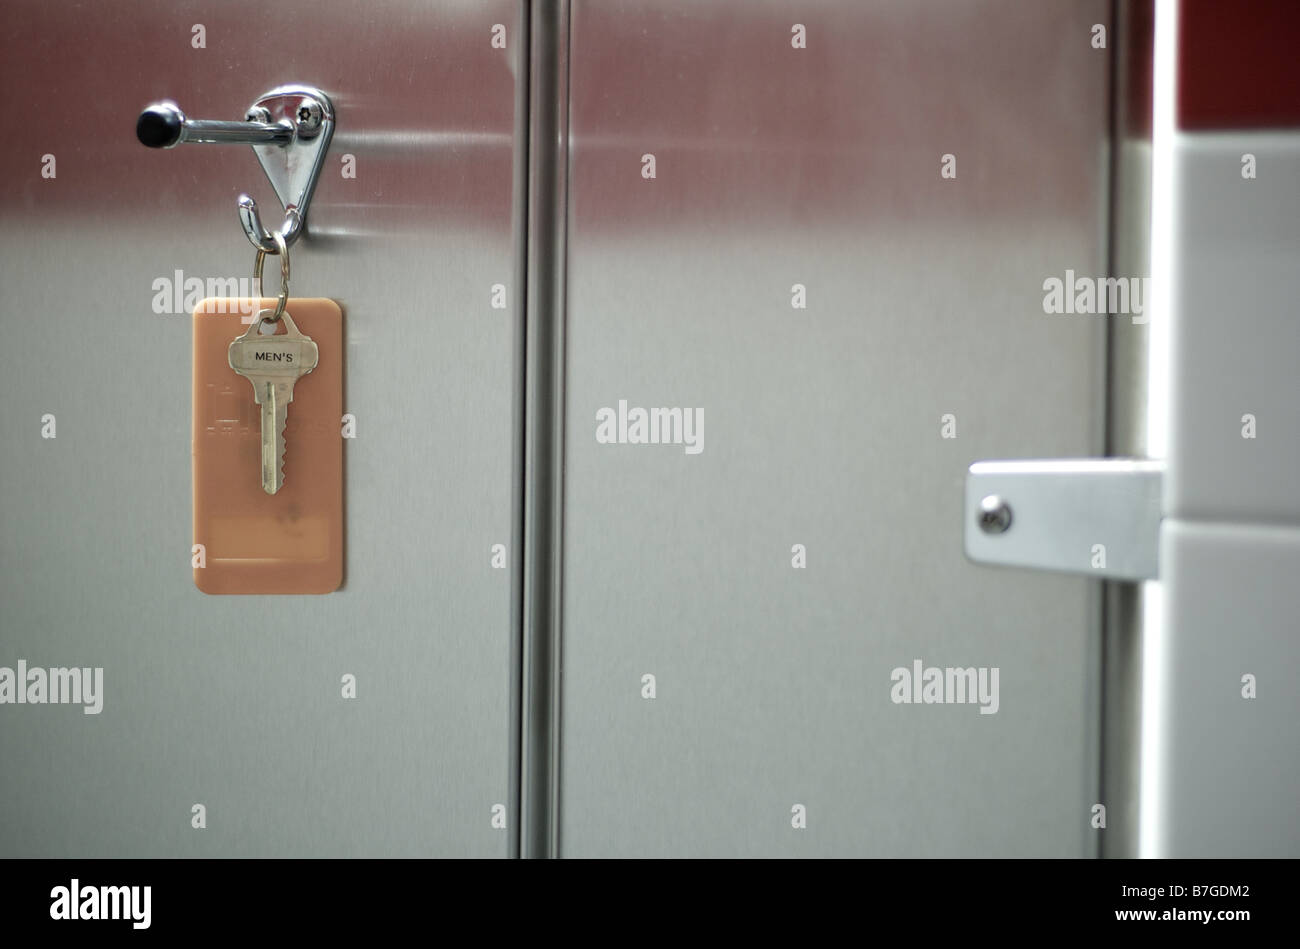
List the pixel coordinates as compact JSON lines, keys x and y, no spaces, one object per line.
{"x":164,"y":125}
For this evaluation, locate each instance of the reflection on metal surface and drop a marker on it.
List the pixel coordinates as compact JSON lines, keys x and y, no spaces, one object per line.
{"x":423,"y":140}
{"x":1155,"y":635}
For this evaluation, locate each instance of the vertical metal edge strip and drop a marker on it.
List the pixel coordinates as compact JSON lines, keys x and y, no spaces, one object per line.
{"x":1126,"y":436}
{"x":543,"y":448}
{"x":518,"y":221}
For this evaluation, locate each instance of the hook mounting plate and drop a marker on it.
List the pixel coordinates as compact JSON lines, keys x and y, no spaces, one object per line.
{"x":292,"y":169}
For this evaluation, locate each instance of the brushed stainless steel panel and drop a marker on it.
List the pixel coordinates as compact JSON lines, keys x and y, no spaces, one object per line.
{"x":227,"y":701}
{"x":821,"y":166}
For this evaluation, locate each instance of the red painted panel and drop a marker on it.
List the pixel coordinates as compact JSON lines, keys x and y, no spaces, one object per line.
{"x":1238,"y":64}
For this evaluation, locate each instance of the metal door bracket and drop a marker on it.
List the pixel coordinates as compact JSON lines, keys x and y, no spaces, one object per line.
{"x":1098,"y":517}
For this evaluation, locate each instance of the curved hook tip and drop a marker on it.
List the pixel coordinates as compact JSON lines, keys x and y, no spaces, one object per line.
{"x":258,"y":235}
{"x":251,"y":221}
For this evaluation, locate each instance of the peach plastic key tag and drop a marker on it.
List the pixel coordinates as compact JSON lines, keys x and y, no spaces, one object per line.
{"x":260,"y":528}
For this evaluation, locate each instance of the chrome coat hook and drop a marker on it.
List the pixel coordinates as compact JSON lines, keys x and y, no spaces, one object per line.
{"x":289,"y":128}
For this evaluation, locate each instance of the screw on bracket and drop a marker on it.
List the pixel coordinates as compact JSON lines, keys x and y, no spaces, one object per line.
{"x":994,"y":515}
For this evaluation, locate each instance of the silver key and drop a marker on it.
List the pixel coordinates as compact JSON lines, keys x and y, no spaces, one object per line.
{"x":273,"y":364}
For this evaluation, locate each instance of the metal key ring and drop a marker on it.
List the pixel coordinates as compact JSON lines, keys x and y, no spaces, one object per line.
{"x":282,"y":249}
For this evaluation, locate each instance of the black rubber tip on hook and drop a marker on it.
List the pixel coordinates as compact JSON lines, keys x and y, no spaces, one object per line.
{"x":159,"y":126}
